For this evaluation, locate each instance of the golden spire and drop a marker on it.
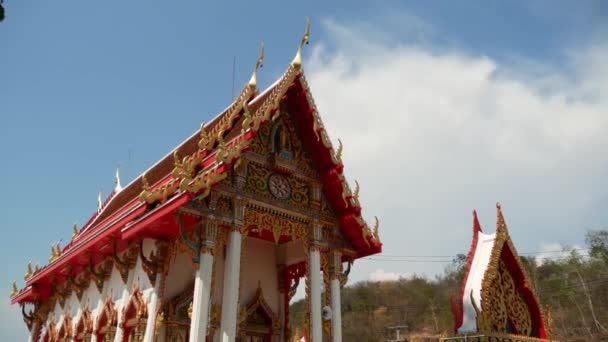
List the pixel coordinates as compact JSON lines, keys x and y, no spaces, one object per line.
{"x":15,"y":290}
{"x":253,"y":82}
{"x":29,"y":272}
{"x":74,"y":232}
{"x":297,"y":60}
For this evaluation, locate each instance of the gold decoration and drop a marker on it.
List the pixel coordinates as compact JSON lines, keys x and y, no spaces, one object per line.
{"x":153,"y":264}
{"x":79,"y":286}
{"x":105,"y":325}
{"x":100,"y":273}
{"x":84,"y":325}
{"x":74,"y":232}
{"x":15,"y":290}
{"x":376,"y":229}
{"x":55,"y":252}
{"x":257,"y":183}
{"x":253,"y":80}
{"x":337,"y":156}
{"x":65,"y":330}
{"x":501,"y":298}
{"x":297,"y":60}
{"x":276,"y":225}
{"x":29,"y":272}
{"x":257,"y":303}
{"x":184,"y":174}
{"x":127,"y":262}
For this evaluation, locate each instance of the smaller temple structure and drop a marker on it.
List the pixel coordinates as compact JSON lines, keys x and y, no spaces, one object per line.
{"x":497,"y":301}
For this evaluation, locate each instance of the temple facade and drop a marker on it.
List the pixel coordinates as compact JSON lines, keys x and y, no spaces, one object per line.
{"x":497,"y":302}
{"x":211,"y":242}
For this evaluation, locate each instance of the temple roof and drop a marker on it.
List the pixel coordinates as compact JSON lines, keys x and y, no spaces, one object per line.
{"x":496,"y":295}
{"x":202,"y":161}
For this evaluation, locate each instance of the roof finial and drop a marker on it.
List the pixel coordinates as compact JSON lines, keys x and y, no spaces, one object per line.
{"x":297,"y":60}
{"x":476,"y":225}
{"x":500,"y":220}
{"x":15,"y":290}
{"x":253,"y":82}
{"x":74,"y":231}
{"x":29,"y":272}
{"x":118,"y":187}
{"x":99,"y":202}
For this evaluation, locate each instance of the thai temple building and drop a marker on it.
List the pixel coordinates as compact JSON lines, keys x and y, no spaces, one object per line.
{"x":497,"y":302}
{"x":211,"y":242}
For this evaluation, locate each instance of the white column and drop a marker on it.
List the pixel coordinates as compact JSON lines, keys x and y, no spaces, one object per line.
{"x":336,"y":306}
{"x":231,"y":287}
{"x":314,"y":269}
{"x":153,"y":308}
{"x":200,"y":299}
{"x":336,"y":310}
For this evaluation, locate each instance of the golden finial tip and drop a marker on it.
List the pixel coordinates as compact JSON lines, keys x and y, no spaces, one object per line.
{"x":15,"y":290}
{"x":297,"y":61}
{"x":253,"y":82}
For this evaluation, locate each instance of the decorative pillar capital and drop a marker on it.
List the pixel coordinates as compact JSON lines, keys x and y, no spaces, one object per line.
{"x":315,"y":195}
{"x":239,"y":207}
{"x":208,"y":234}
{"x":335,"y":264}
{"x":315,"y":236}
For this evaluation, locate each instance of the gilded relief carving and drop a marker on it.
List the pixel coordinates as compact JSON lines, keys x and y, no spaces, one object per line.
{"x":503,"y":306}
{"x":278,"y":226}
{"x":258,"y":183}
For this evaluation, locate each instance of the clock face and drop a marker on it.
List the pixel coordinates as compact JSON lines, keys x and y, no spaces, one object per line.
{"x":279,"y":186}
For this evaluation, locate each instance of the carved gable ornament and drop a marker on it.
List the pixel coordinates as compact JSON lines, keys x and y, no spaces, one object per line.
{"x":496,"y":298}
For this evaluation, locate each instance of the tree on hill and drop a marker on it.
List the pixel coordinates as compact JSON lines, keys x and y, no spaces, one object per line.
{"x":574,"y":288}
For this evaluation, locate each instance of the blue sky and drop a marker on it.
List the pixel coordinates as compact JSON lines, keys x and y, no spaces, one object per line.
{"x":87,"y":86}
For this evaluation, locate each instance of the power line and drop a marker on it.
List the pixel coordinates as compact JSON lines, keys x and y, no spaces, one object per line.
{"x":447,"y":261}
{"x":454,"y":256}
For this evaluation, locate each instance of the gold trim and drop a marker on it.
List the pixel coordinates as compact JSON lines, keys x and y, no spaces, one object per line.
{"x":297,"y":60}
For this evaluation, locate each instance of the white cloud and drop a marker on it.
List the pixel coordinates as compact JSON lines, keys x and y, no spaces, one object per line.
{"x":556,"y":251}
{"x":381,"y":275}
{"x":431,"y":134}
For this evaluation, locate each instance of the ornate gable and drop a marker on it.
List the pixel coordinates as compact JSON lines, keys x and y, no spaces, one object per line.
{"x":496,"y":296}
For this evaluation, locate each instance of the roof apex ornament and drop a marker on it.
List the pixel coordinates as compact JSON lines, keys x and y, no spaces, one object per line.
{"x":74,"y":231}
{"x":253,"y":82}
{"x":476,"y":225}
{"x":15,"y":290}
{"x":99,"y":202}
{"x":55,"y":252}
{"x":297,"y":60}
{"x":29,"y":272}
{"x":117,"y":187}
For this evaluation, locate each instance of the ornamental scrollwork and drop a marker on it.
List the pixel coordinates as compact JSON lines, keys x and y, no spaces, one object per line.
{"x":127,"y":262}
{"x":257,"y":183}
{"x":276,"y":225}
{"x":503,"y":304}
{"x":153,"y":264}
